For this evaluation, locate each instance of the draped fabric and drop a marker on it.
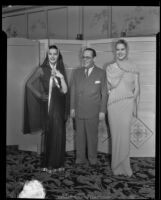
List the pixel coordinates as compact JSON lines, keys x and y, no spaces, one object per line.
{"x":52,"y":121}
{"x":55,"y":133}
{"x":120,"y":116}
{"x":33,"y":108}
{"x":121,"y":78}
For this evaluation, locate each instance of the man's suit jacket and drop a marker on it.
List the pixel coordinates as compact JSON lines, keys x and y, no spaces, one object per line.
{"x":89,"y":94}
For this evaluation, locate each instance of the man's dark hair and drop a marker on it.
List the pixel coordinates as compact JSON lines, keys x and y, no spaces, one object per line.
{"x":90,"y":49}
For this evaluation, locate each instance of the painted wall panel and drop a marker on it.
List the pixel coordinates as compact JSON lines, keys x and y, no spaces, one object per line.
{"x":135,"y":20}
{"x":15,"y":26}
{"x":74,"y":22}
{"x":37,"y":25}
{"x":57,"y":23}
{"x":96,"y":22}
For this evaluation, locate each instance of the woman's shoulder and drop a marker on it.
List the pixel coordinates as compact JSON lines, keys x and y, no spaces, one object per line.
{"x":35,"y":74}
{"x":110,"y":67}
{"x":39,"y":70}
{"x":99,"y":69}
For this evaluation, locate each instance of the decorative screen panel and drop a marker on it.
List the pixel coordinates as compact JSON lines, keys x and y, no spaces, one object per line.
{"x":142,"y":51}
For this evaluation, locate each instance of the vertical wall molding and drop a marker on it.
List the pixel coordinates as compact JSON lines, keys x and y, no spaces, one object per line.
{"x":27,"y":32}
{"x":110,"y":22}
{"x":82,"y":17}
{"x":47,"y":26}
{"x":67,"y":24}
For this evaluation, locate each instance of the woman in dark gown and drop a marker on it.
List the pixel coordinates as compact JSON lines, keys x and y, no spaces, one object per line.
{"x":52,"y":98}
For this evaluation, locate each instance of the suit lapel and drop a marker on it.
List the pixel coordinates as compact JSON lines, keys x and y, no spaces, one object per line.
{"x":93,"y":72}
{"x":82,"y":73}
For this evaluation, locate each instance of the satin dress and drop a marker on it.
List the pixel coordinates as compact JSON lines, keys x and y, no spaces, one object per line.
{"x":120,"y":108}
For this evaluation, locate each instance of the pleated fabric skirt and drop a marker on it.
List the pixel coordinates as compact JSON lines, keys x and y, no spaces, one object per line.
{"x":120,"y":116}
{"x":55,"y":133}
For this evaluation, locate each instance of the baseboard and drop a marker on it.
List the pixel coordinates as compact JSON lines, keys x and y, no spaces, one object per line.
{"x":12,"y":147}
{"x":26,"y":147}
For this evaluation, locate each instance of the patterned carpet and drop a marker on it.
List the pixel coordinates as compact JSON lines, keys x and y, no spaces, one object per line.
{"x":81,"y":182}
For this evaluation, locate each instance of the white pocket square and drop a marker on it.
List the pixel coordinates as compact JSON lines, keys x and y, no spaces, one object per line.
{"x":97,"y":82}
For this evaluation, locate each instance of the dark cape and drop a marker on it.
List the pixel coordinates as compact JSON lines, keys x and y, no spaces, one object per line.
{"x":33,"y":117}
{"x":33,"y":113}
{"x":51,"y":121}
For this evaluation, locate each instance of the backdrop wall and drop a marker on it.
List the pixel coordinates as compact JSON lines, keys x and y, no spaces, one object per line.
{"x":24,"y":55}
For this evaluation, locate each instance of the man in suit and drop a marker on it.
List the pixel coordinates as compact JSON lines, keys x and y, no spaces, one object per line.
{"x":88,"y":106}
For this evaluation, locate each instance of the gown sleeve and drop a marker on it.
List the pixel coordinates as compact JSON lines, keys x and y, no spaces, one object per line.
{"x":32,"y":117}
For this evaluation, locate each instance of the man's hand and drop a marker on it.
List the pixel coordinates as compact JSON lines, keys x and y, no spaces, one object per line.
{"x":101,"y":116}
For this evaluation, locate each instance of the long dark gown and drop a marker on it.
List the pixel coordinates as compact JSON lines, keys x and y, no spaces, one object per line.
{"x":54,"y":124}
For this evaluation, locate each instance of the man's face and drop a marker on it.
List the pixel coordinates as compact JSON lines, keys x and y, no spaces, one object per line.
{"x":88,"y":59}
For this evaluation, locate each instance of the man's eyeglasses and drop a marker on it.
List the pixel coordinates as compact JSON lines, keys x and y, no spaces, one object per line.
{"x":86,"y":57}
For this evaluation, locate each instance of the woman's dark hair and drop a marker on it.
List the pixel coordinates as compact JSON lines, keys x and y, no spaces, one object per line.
{"x":90,"y":49}
{"x":60,"y":64}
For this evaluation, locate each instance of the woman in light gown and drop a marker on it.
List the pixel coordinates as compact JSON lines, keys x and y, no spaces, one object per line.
{"x":123,"y":89}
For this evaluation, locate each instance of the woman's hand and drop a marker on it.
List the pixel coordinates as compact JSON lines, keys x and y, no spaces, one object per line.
{"x":136,"y":102}
{"x":135,"y":110}
{"x":64,"y":88}
{"x":72,"y":113}
{"x":101,"y":116}
{"x":137,"y":98}
{"x":58,"y":74}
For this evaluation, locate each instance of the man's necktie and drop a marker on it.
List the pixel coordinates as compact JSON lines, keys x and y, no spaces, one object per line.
{"x":87,"y":71}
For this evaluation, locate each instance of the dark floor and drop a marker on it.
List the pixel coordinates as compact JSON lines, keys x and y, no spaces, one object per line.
{"x":81,"y":182}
